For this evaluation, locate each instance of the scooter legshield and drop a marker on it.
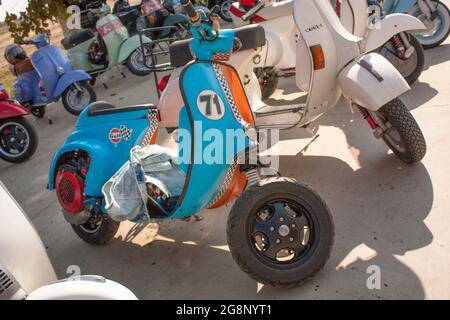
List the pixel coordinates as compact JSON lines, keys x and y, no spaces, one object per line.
{"x":211,"y":135}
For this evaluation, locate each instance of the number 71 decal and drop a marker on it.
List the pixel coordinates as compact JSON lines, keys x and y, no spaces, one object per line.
{"x":210,"y":105}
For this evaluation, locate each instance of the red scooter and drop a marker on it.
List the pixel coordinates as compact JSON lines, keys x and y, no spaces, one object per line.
{"x":18,"y":137}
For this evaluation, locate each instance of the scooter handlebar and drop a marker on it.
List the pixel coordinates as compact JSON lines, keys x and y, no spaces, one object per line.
{"x":193,"y":15}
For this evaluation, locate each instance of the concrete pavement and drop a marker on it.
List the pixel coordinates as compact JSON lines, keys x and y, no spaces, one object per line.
{"x":386,"y":214}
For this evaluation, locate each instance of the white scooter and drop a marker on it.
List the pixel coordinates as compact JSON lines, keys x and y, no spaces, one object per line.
{"x":333,"y":63}
{"x":403,"y":50}
{"x":26,"y":271}
{"x":281,"y":33}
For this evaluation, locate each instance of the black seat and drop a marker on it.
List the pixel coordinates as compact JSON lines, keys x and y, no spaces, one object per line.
{"x":76,"y":38}
{"x":100,"y":108}
{"x":251,"y":36}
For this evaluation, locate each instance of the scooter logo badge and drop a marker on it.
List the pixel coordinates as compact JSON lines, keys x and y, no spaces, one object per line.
{"x":117,"y":135}
{"x":210,"y":105}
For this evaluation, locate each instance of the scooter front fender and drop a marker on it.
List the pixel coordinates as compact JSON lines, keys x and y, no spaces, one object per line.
{"x":130,"y":45}
{"x":98,"y":173}
{"x":391,"y":25}
{"x":84,"y":288}
{"x":69,"y":78}
{"x":371,"y":81}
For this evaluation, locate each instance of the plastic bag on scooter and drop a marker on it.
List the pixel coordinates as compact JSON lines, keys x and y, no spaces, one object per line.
{"x":152,"y":172}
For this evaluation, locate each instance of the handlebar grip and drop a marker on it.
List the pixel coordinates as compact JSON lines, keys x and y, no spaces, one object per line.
{"x":193,"y":15}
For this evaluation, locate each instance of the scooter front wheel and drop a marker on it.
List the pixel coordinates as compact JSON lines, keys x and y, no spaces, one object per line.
{"x":77,"y":97}
{"x":18,"y":140}
{"x":402,"y":134}
{"x":280,"y":232}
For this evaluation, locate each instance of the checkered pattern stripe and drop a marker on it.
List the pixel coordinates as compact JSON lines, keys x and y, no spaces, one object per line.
{"x":152,"y":127}
{"x":125,"y":132}
{"x":226,"y":183}
{"x":222,"y":56}
{"x":226,"y":89}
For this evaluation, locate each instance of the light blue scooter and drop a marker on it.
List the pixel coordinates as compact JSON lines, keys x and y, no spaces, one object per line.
{"x":280,"y":231}
{"x":433,"y":13}
{"x":52,"y":78}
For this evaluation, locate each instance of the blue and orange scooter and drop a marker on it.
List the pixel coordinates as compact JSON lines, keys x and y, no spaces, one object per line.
{"x":280,"y":231}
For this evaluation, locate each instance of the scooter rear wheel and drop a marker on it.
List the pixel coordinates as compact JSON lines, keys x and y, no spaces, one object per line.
{"x":280,"y":232}
{"x":18,"y":140}
{"x":97,"y":231}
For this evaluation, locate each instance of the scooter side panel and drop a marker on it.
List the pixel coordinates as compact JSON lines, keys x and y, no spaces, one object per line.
{"x":206,"y":156}
{"x":9,"y":109}
{"x":47,"y":61}
{"x":108,"y":146}
{"x":129,"y":46}
{"x":26,"y":88}
{"x":373,"y":88}
{"x":69,"y":78}
{"x":78,"y":56}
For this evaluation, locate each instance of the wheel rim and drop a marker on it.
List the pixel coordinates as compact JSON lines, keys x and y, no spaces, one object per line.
{"x":78,"y":98}
{"x":14,"y":139}
{"x":225,"y":9}
{"x":392,"y":136}
{"x":137,"y":60}
{"x":406,"y":67}
{"x":436,"y":29}
{"x":93,"y":225}
{"x":281,"y":232}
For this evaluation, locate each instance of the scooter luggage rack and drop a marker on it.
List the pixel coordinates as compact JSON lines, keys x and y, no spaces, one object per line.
{"x":154,"y":67}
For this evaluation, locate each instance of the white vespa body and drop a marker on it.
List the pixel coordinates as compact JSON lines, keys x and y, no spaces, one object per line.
{"x":26,"y":271}
{"x":331,"y":62}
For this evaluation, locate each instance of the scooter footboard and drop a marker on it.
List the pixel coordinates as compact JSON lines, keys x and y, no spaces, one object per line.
{"x":372,"y":81}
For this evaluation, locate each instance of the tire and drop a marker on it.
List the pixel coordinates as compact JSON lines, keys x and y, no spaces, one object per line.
{"x":100,"y":236}
{"x":254,"y":263}
{"x":70,"y":91}
{"x":33,"y":141}
{"x":412,"y":146}
{"x":410,"y":73}
{"x":444,"y":16}
{"x":223,"y":13}
{"x":269,"y":82}
{"x":131,"y":64}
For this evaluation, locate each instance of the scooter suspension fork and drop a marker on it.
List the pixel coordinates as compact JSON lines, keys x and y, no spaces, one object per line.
{"x":402,"y":45}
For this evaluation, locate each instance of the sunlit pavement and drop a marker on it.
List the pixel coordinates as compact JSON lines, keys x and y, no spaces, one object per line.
{"x":387,"y":214}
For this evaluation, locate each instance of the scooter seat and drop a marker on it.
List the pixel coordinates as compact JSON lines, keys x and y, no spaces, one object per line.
{"x":77,"y":38}
{"x":251,"y":37}
{"x":101,"y":108}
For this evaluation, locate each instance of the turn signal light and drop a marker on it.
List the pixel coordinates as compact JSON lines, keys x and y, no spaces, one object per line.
{"x":318,"y":57}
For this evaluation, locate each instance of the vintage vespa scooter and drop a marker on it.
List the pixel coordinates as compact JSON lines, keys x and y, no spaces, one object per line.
{"x":280,"y":232}
{"x":26,"y":272}
{"x":48,"y":78}
{"x":281,"y":32}
{"x":18,"y":136}
{"x":403,"y":50}
{"x":434,"y":14}
{"x":334,"y":63}
{"x":110,"y":46}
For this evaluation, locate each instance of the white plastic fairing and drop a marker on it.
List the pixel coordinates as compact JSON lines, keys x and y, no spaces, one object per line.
{"x":372,"y":81}
{"x":83,"y":290}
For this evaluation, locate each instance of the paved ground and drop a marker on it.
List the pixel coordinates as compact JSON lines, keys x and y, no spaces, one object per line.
{"x":386,"y":214}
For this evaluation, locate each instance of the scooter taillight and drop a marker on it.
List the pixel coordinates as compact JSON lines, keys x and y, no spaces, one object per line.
{"x":163,"y":83}
{"x":247,"y":3}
